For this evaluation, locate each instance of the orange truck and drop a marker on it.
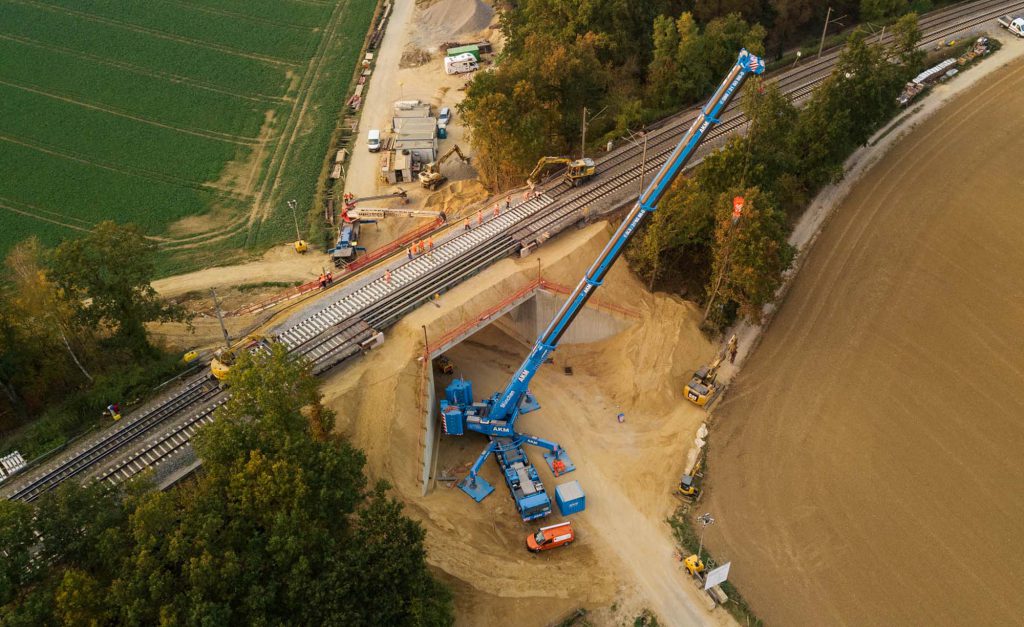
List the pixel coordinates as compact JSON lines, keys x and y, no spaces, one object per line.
{"x":550,"y":537}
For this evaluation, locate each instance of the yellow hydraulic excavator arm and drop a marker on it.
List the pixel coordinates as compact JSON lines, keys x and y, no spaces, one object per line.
{"x":544,"y":163}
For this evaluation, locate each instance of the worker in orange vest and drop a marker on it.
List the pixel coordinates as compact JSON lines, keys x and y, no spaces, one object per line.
{"x":430,"y":243}
{"x":479,"y":217}
{"x":387,"y":277}
{"x":496,"y":210}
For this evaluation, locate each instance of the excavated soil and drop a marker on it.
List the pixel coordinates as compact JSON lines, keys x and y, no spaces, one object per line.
{"x":624,"y":554}
{"x":865,"y":465}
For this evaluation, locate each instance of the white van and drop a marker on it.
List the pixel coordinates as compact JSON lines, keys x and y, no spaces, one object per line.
{"x":373,"y":140}
{"x":460,"y":64}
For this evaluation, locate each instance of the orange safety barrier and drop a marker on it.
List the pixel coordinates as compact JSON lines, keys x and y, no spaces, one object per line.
{"x":535,"y":284}
{"x":393,"y":246}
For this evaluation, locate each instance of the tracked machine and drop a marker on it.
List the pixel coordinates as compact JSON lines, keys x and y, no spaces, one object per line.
{"x":495,"y":416}
{"x":576,"y":171}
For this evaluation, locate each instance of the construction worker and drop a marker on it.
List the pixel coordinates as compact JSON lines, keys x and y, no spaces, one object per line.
{"x":430,"y":244}
{"x":508,"y":203}
{"x":387,"y":277}
{"x":465,"y":225}
{"x":479,"y":216}
{"x":323,"y":280}
{"x":496,"y":210}
{"x":409,"y":253}
{"x":330,"y":278}
{"x":734,"y":347}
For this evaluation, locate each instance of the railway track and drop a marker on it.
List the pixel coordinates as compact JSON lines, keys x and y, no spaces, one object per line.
{"x":350,"y":324}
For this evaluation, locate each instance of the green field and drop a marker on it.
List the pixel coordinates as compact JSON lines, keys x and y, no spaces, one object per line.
{"x":196,"y":119}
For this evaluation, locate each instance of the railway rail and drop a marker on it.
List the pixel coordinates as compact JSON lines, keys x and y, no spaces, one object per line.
{"x":351,"y":323}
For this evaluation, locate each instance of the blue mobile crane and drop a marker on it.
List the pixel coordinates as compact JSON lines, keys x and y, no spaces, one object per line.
{"x":496,"y":416}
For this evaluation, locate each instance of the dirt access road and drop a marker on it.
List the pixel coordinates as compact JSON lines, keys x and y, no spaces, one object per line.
{"x":410,"y":67}
{"x":865,"y":464}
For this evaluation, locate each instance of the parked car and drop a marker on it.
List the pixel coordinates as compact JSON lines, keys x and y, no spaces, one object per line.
{"x":444,"y":117}
{"x":550,"y":537}
{"x":373,"y":140}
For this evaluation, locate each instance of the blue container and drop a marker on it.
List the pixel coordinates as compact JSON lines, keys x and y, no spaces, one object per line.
{"x":570,"y":498}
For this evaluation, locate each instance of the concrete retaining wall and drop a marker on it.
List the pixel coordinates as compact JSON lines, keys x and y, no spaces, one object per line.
{"x":527,"y":321}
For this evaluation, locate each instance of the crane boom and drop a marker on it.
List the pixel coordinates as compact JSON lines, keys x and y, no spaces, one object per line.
{"x":508,"y":404}
{"x":496,"y":416}
{"x":377,"y":213}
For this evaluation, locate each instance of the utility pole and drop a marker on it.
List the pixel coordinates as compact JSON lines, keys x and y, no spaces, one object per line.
{"x":705,"y":520}
{"x":824,"y":30}
{"x":291,"y":205}
{"x":220,"y":318}
{"x":583,"y":143}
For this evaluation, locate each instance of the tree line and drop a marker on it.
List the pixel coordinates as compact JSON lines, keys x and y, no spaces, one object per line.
{"x":734,"y":266}
{"x":72,"y":331}
{"x":280,"y":527}
{"x":628,"y":62}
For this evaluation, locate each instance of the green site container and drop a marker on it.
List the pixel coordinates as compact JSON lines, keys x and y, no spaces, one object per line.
{"x":472,"y":49}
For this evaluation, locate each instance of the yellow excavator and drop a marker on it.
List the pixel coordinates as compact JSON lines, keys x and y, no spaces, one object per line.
{"x":224,"y":358}
{"x":431,"y":177}
{"x":703,"y":386}
{"x":689,"y":486}
{"x":576,"y":171}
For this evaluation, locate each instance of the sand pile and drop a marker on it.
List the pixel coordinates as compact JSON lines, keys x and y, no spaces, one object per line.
{"x":457,"y":198}
{"x":448,"y":20}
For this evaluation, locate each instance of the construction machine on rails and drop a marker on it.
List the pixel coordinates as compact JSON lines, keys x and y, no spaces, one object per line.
{"x":576,"y":170}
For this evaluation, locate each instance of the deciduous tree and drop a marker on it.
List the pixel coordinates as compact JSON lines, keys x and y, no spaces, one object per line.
{"x":107,"y":275}
{"x":750,"y":255}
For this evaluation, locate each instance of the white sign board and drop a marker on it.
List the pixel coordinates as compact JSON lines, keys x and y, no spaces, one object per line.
{"x":717,"y":576}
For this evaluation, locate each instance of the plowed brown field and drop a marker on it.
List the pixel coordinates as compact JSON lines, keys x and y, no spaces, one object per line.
{"x":866,"y":465}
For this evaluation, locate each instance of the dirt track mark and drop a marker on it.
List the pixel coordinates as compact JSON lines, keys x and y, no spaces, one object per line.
{"x":158,"y":33}
{"x":136,"y":69}
{"x":205,"y":134}
{"x":55,"y":214}
{"x":921,"y":251}
{"x":966,"y":109}
{"x":90,"y":161}
{"x":29,"y":214}
{"x":241,"y":16}
{"x":261,"y":208}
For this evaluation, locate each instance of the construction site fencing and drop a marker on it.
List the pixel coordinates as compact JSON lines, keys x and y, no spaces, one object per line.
{"x":394,"y":246}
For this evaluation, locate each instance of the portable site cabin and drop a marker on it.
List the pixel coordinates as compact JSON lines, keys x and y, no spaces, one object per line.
{"x":460,"y":64}
{"x":472,"y":49}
